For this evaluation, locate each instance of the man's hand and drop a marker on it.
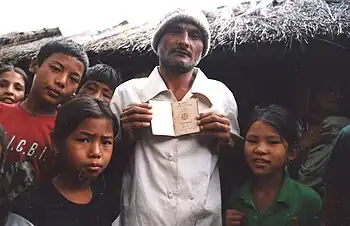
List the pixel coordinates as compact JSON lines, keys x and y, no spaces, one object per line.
{"x":135,"y":117}
{"x":234,"y":218}
{"x":216,"y":126}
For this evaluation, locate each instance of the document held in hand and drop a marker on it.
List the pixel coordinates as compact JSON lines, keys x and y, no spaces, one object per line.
{"x":174,"y":118}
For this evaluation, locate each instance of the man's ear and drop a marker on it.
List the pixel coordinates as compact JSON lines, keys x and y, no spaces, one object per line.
{"x":34,"y":64}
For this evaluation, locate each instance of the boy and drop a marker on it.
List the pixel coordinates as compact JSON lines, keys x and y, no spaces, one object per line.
{"x":58,"y":69}
{"x":100,"y":82}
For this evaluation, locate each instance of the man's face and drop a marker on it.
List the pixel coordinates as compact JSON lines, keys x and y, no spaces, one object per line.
{"x":97,"y":90}
{"x":180,"y":49}
{"x":57,"y":78}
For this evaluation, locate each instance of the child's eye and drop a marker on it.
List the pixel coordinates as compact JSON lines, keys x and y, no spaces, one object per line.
{"x":91,"y":88}
{"x":74,"y":79}
{"x":107,"y":142}
{"x":55,"y":69}
{"x":107,"y":96}
{"x":275,"y":142}
{"x":19,"y":88}
{"x":83,"y":140}
{"x":251,"y":141}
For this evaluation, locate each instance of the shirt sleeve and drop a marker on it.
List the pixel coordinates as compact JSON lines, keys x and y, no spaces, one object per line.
{"x":117,"y":102}
{"x":231,"y":110}
{"x":17,"y":220}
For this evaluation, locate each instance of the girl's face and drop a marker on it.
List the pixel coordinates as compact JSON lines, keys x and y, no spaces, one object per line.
{"x":12,"y":87}
{"x":265,"y":151}
{"x":90,"y":147}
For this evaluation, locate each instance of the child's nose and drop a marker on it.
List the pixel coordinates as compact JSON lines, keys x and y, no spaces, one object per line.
{"x":95,"y":151}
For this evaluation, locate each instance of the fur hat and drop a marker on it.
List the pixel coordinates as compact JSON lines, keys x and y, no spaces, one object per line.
{"x":195,"y":17}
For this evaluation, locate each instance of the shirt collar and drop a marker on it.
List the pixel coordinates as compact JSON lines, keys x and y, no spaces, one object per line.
{"x":284,"y":194}
{"x":156,"y":85}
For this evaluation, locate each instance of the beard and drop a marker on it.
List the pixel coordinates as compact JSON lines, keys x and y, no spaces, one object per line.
{"x":177,"y":66}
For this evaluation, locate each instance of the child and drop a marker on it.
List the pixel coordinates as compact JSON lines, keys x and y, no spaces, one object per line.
{"x":271,"y":197}
{"x":83,"y":139}
{"x":13,"y":84}
{"x":100,"y":82}
{"x":58,"y":68}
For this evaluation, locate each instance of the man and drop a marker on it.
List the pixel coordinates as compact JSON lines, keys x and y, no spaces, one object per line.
{"x":175,"y":181}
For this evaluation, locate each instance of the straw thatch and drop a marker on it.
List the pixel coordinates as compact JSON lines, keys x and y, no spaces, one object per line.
{"x":250,"y":22}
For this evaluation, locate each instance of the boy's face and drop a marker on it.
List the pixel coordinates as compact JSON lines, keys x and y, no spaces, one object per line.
{"x":97,"y":90}
{"x":90,"y":148}
{"x":265,"y":151}
{"x":57,"y":78}
{"x":12,"y":87}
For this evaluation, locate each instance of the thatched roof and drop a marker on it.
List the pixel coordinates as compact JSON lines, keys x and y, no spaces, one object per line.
{"x":267,"y":21}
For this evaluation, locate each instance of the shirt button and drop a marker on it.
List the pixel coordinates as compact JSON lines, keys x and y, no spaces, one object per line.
{"x":170,"y":195}
{"x":169,"y":156}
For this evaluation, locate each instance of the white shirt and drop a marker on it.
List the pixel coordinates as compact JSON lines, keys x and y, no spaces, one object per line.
{"x":173,"y":181}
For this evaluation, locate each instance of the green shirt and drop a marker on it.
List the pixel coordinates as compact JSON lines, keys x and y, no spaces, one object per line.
{"x":295,"y":204}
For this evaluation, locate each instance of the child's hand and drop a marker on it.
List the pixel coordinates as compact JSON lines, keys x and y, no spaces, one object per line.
{"x":234,"y":218}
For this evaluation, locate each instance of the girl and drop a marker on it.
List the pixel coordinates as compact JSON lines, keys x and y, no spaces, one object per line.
{"x":13,"y":83}
{"x":270,"y":197}
{"x":83,"y":138}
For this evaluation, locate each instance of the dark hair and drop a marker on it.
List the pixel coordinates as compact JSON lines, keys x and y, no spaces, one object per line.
{"x":66,"y":47}
{"x":75,"y":111}
{"x":103,"y":73}
{"x":280,"y":119}
{"x":11,"y":68}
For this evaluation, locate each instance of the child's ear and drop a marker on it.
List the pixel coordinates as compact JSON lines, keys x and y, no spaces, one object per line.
{"x":291,"y":155}
{"x":34,"y":64}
